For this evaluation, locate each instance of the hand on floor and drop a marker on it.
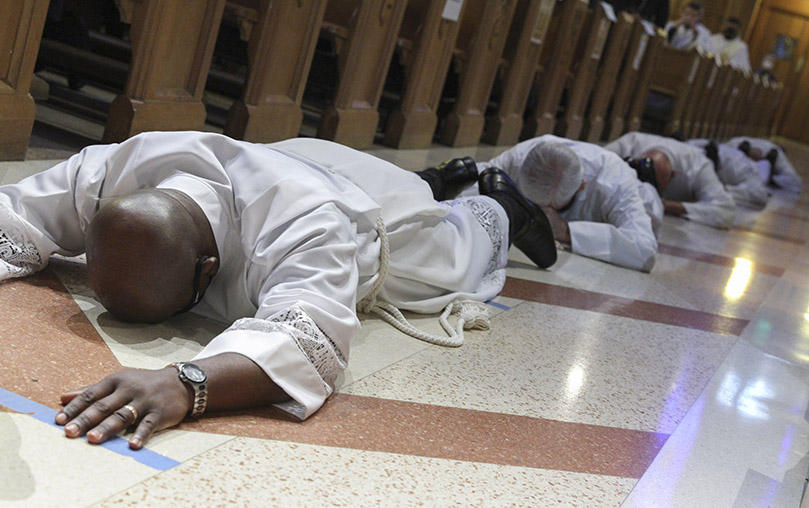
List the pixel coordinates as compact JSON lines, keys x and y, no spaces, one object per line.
{"x":149,"y":400}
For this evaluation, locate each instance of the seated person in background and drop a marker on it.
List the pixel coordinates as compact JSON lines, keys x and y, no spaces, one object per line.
{"x":592,"y":198}
{"x":281,"y":240}
{"x":767,"y":67}
{"x":782,"y":173}
{"x":736,"y":171}
{"x":688,"y":31}
{"x":694,"y":191}
{"x":729,"y":47}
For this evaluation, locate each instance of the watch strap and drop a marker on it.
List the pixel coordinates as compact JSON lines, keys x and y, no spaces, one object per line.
{"x":200,"y":390}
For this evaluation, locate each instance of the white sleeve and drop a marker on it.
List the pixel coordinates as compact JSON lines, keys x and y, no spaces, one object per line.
{"x":300,"y":333}
{"x":713,"y":205}
{"x":785,"y":175}
{"x":625,"y":238}
{"x":623,"y":146}
{"x":38,"y":217}
{"x":653,"y":206}
{"x":750,"y":191}
{"x":741,"y":59}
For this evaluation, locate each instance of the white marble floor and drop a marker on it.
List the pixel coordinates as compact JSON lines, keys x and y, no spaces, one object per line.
{"x":596,"y":387}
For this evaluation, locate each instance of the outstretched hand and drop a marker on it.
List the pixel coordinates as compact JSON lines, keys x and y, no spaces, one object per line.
{"x":149,"y":400}
{"x":561,"y":231}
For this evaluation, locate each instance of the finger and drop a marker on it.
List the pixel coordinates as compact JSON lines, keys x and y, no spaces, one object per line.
{"x":65,"y":398}
{"x":79,"y":402}
{"x":147,"y":426}
{"x":93,"y":414}
{"x":120,"y":419}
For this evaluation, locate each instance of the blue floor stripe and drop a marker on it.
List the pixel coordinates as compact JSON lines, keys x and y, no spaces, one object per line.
{"x":498,"y":305}
{"x":120,"y":446}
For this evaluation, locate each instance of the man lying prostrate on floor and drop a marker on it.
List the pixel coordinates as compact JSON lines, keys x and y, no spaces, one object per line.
{"x":592,"y":198}
{"x":694,"y":191}
{"x":782,"y":172}
{"x":281,"y":240}
{"x":738,"y":172}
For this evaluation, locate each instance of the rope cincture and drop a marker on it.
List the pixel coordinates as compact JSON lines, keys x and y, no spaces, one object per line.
{"x":471,"y":314}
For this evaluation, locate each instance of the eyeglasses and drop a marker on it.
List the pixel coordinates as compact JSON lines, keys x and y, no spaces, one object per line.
{"x":197,"y":294}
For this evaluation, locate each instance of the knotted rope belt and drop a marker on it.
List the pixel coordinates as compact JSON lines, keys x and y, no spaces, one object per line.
{"x":471,"y":314}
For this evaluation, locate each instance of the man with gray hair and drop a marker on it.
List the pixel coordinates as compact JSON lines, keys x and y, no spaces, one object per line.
{"x":592,"y":198}
{"x":694,"y":191}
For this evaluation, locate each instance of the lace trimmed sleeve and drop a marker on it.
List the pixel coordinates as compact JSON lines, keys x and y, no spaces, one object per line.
{"x":294,"y":352}
{"x":318,"y":348}
{"x":19,"y":253}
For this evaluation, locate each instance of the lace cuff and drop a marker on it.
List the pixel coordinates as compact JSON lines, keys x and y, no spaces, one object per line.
{"x":19,"y":254}
{"x":316,"y":346}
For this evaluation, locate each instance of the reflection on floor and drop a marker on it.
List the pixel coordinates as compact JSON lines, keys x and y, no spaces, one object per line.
{"x":596,"y":386}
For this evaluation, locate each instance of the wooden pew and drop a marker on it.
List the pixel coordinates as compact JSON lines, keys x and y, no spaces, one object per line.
{"x":368,"y":30}
{"x":693,"y":109}
{"x":775,"y":106}
{"x":729,"y":104}
{"x":172,"y":45}
{"x":714,"y":109}
{"x":427,"y":41}
{"x":706,"y":95}
{"x":748,"y":116}
{"x":735,"y":106}
{"x":768,"y":107}
{"x":674,"y":76}
{"x":526,"y":40}
{"x":616,"y":54}
{"x":567,"y":26}
{"x":584,"y":68}
{"x":21,"y":24}
{"x":642,"y":39}
{"x":483,"y":32}
{"x":648,"y":66}
{"x":280,"y":50}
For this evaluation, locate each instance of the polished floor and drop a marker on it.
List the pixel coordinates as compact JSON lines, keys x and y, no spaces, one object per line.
{"x":595,"y":387}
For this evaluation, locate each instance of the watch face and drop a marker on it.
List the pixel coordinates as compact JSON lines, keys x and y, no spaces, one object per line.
{"x":193,"y":373}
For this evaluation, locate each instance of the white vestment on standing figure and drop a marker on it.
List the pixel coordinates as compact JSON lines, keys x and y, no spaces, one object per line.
{"x":694,"y":183}
{"x":296,"y":226}
{"x":739,"y":173}
{"x":612,"y":218}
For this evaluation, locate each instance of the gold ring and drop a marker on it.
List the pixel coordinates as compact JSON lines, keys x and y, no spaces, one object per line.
{"x":133,"y":411}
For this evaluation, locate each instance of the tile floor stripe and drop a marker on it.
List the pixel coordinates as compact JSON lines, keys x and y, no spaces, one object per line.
{"x":618,"y":306}
{"x":715,"y":259}
{"x":118,"y":445}
{"x":772,"y":234}
{"x":411,"y":428}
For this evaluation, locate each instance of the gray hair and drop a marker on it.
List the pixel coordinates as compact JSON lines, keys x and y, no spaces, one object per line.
{"x":550,"y":174}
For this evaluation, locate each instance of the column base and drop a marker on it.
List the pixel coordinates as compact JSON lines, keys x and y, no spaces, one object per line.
{"x":264,"y":123}
{"x":352,"y":127}
{"x":129,"y":117}
{"x":462,"y":130}
{"x":17,"y":113}
{"x":410,"y":130}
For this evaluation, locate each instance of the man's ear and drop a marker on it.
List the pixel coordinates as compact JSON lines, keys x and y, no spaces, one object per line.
{"x":210,"y":266}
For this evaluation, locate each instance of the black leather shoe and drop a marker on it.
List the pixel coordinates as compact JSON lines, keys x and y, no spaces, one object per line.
{"x":529,"y":228}
{"x":772,"y":156}
{"x":712,"y":152}
{"x":744,"y":146}
{"x":451,"y":177}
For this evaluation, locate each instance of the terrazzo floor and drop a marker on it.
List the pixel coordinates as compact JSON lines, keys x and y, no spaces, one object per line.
{"x":595,"y":387}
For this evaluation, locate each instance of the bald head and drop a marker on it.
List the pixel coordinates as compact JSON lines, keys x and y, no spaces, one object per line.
{"x":142,"y":251}
{"x":663,"y":169}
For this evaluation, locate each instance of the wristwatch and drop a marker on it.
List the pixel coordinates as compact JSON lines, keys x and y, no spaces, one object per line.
{"x":193,"y":376}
